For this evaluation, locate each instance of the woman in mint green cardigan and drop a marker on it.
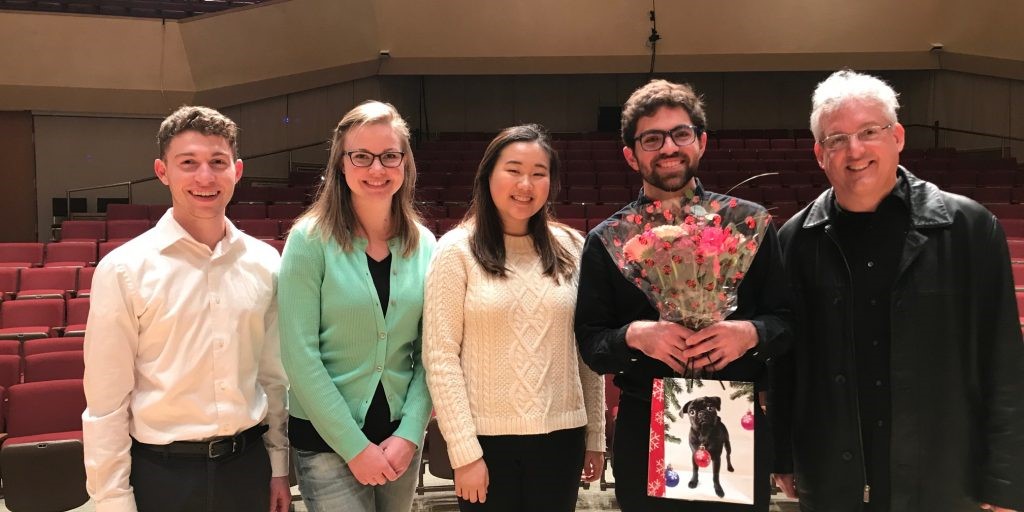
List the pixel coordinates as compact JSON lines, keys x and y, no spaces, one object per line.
{"x":350,"y":294}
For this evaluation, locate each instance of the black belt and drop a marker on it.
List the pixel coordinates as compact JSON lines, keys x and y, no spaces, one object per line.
{"x":214,"y":450}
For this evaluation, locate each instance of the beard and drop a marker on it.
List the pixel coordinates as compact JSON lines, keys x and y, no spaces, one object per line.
{"x":674,"y":181}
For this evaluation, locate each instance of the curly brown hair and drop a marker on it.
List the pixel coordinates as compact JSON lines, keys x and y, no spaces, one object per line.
{"x":204,"y":120}
{"x":655,"y":94}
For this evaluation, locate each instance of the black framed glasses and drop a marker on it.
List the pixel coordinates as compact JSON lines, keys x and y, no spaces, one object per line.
{"x":365,"y":158}
{"x":682,"y":135}
{"x":841,"y":141}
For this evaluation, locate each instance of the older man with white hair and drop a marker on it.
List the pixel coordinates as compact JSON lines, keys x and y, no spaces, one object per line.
{"x":904,"y":391}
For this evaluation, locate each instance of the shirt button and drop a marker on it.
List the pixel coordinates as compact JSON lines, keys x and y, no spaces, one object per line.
{"x":840,"y":379}
{"x":878,"y":383}
{"x":873,"y":302}
{"x":880,"y":423}
{"x":871,"y":264}
{"x":847,"y":456}
{"x":874,"y":343}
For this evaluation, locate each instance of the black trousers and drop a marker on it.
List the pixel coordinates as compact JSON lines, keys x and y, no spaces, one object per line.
{"x":167,"y":483}
{"x":629,"y":465}
{"x":532,"y":473}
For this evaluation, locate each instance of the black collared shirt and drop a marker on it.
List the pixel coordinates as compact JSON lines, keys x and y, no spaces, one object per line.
{"x":872,"y":243}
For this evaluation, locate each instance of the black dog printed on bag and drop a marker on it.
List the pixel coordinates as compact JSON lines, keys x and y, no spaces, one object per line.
{"x":709,"y":433}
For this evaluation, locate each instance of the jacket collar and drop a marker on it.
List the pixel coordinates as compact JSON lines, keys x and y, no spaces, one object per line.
{"x":924,"y":200}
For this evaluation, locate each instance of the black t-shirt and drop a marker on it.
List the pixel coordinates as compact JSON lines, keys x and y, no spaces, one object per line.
{"x":378,"y":425}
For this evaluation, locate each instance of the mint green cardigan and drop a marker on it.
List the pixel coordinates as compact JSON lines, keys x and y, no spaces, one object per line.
{"x":336,"y":345}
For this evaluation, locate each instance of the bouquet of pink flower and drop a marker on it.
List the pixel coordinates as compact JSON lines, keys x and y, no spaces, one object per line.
{"x":688,"y":259}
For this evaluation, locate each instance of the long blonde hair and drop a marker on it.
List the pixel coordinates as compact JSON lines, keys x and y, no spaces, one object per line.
{"x":331,"y":214}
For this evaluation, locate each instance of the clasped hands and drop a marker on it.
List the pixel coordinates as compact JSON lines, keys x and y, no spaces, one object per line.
{"x":383,"y":463}
{"x":709,"y":349}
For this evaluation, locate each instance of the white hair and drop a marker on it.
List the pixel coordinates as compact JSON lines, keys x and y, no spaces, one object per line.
{"x":846,"y":85}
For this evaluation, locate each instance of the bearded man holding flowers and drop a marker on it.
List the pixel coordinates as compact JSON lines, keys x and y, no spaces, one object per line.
{"x":623,"y":330}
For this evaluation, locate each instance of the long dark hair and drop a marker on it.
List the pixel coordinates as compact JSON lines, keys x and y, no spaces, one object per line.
{"x":487,"y":239}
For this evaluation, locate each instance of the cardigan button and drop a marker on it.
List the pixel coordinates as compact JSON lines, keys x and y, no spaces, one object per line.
{"x":847,"y":456}
{"x":840,"y":379}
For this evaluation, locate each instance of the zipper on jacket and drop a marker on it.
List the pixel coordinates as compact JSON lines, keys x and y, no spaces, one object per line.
{"x":853,"y":357}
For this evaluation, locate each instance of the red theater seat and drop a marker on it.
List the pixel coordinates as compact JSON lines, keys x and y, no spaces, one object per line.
{"x":44,"y":345}
{"x":47,"y":283}
{"x":70,"y":254}
{"x":25,"y":319}
{"x":65,"y":364}
{"x":16,"y":254}
{"x":83,"y":230}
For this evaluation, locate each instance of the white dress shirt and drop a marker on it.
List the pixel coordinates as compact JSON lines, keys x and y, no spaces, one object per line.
{"x":182,"y":345}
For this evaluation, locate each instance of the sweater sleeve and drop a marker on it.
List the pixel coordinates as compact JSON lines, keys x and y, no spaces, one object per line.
{"x":299,"y":303}
{"x":593,"y":401}
{"x":444,"y":303}
{"x":416,"y":411}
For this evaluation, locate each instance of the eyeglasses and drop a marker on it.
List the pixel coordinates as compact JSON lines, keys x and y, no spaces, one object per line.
{"x":682,"y":135}
{"x":365,"y":158}
{"x":841,"y":141}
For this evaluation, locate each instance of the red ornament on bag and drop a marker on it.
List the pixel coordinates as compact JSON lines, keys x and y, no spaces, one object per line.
{"x":701,"y":457}
{"x":747,"y":421}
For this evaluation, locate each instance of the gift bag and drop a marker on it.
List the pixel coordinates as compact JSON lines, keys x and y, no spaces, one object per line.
{"x":702,"y":440}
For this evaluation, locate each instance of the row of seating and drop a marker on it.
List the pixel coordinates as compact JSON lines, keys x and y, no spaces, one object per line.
{"x":52,"y":254}
{"x":43,"y":318}
{"x":40,"y":366}
{"x":45,"y":282}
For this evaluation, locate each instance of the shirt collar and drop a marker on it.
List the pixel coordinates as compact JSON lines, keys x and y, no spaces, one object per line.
{"x":168,"y":233}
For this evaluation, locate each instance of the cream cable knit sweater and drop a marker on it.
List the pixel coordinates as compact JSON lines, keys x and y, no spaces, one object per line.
{"x":500,"y":354}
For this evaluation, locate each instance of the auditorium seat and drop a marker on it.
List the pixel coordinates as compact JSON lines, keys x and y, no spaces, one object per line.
{"x":277,"y":244}
{"x":457,"y":211}
{"x":247,"y":211}
{"x":126,"y":229}
{"x":577,"y":224}
{"x":25,"y":319}
{"x":1018,"y":276}
{"x":582,"y":195}
{"x":612,"y":179}
{"x":427,"y":195}
{"x":127,"y":211}
{"x":47,"y":283}
{"x":602,"y":211}
{"x":70,"y":254}
{"x":264,"y":229}
{"x":78,"y":314}
{"x":106,"y":247}
{"x":44,"y":345}
{"x":614,"y":195}
{"x":9,"y":348}
{"x":8,"y":282}
{"x":84,"y":285}
{"x":10,"y":370}
{"x":251,"y":195}
{"x":83,"y":230}
{"x":440,"y":465}
{"x":41,"y":462}
{"x":993,"y":195}
{"x":60,"y":365}
{"x":786,"y":143}
{"x":997,"y":178}
{"x":156,"y":211}
{"x":285,"y":211}
{"x":21,"y":254}
{"x":569,"y":211}
{"x":1006,"y":211}
{"x":580,"y":179}
{"x":1014,"y":228}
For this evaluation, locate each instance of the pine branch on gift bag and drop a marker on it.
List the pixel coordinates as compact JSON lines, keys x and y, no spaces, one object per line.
{"x":742,"y":389}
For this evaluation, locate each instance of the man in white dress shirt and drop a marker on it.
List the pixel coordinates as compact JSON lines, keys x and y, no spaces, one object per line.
{"x":183,"y":378}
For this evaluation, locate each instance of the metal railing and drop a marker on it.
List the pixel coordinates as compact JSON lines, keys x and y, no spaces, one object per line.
{"x":937,"y":130}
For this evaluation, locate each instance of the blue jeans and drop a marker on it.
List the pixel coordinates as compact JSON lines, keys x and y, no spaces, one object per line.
{"x":327,"y":485}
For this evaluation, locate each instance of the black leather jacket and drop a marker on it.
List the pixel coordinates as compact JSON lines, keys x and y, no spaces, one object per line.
{"x":957,"y":363}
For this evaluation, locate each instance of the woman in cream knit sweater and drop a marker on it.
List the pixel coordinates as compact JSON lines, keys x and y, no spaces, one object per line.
{"x":522,"y":416}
